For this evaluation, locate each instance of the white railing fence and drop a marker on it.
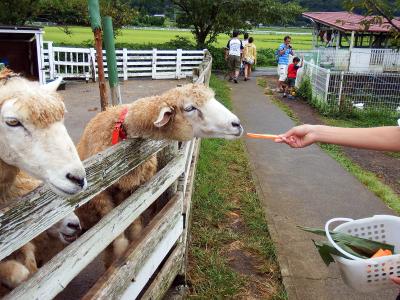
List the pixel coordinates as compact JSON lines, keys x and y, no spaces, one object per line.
{"x":71,"y":62}
{"x":354,"y":60}
{"x":319,"y":79}
{"x":345,"y":91}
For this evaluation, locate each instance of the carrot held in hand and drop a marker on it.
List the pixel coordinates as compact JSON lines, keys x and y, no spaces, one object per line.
{"x":262,"y":136}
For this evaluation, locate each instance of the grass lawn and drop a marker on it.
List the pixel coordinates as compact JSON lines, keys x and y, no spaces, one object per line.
{"x":229,"y":232}
{"x":83,"y":34}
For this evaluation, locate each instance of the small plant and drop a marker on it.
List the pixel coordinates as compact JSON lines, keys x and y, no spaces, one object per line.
{"x":305,"y":89}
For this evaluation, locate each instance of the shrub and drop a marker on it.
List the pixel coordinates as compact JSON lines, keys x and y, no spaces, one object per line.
{"x":305,"y":90}
{"x":266,"y":57}
{"x":218,"y":55}
{"x":146,"y":20}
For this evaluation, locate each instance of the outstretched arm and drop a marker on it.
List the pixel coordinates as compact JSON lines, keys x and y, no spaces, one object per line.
{"x":377,"y":138}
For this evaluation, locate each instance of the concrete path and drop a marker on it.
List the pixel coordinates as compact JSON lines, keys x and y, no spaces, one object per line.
{"x":301,"y":187}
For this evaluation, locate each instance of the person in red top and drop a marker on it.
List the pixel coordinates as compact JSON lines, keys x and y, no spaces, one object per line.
{"x":291,"y":76}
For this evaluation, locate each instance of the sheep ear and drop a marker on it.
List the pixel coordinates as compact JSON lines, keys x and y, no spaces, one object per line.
{"x":164,"y":116}
{"x":53,"y":85}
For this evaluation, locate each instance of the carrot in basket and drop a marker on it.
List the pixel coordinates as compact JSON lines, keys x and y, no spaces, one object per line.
{"x":381,"y":253}
{"x":262,"y":136}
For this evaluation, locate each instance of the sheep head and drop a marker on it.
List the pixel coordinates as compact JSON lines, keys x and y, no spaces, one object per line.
{"x":192,"y":111}
{"x":34,"y":138}
{"x":66,"y":230}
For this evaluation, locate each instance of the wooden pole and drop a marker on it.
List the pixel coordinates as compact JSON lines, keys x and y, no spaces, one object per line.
{"x":111,"y":61}
{"x":95,"y":21}
{"x":100,"y":66}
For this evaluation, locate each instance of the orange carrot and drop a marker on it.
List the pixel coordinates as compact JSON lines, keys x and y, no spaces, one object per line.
{"x":381,"y":253}
{"x":262,"y":136}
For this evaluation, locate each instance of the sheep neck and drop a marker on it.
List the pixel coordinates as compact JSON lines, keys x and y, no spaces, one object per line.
{"x":140,"y":118}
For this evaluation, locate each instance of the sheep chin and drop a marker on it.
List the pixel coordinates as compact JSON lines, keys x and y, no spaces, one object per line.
{"x":67,"y":239}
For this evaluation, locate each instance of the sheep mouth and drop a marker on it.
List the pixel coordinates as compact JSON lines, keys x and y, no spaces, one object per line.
{"x":69,"y":238}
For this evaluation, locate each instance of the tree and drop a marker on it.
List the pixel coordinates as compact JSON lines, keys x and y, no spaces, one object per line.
{"x":120,"y":12}
{"x":18,"y":12}
{"x":209,"y":18}
{"x":379,"y":12}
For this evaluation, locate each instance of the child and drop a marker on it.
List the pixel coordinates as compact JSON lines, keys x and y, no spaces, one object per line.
{"x":249,"y":58}
{"x":291,"y":76}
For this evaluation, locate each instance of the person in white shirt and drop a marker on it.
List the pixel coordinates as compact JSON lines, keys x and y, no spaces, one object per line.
{"x":233,"y":56}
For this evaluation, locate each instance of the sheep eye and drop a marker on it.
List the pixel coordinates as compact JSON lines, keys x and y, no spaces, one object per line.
{"x":13,"y":123}
{"x":189,"y":108}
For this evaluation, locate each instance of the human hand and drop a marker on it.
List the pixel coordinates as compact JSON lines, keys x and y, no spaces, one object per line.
{"x":298,"y":137}
{"x":396,"y":280}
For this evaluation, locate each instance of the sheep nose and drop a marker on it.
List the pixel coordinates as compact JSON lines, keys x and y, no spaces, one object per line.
{"x":236,"y":124}
{"x":76,"y":179}
{"x":74,"y":226}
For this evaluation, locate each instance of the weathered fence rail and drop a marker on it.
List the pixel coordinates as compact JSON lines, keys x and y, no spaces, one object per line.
{"x":151,"y":263}
{"x":70,"y":62}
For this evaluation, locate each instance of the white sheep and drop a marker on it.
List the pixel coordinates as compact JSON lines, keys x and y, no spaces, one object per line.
{"x":20,"y":265}
{"x":33,"y":139}
{"x":179,"y":114}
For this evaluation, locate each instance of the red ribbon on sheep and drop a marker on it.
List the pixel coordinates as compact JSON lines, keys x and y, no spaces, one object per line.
{"x":119,"y":132}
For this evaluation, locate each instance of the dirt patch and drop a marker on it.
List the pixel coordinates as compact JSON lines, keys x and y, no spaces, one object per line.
{"x":252,"y":266}
{"x":384,"y":166}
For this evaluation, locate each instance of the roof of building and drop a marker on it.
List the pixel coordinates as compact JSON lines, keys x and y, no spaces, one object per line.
{"x":347,"y":21}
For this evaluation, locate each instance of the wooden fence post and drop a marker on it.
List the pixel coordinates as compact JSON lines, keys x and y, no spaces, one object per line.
{"x":154,"y":64}
{"x":178,"y":63}
{"x":125,"y":63}
{"x":163,"y":158}
{"x":51,"y":59}
{"x":93,"y":62}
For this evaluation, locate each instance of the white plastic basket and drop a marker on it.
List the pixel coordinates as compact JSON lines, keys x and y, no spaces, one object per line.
{"x":367,"y":275}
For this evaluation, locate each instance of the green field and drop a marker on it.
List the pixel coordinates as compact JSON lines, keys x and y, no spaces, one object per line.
{"x":81,"y":35}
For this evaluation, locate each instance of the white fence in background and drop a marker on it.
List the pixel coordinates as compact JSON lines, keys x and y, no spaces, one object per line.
{"x":319,"y":79}
{"x":355,"y":60}
{"x":70,"y":62}
{"x":353,"y":90}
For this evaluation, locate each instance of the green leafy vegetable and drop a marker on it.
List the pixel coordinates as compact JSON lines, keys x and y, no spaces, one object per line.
{"x":356,"y":246}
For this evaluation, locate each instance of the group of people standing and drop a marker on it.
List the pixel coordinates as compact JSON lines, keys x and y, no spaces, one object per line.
{"x":240,"y":55}
{"x":287,"y":72}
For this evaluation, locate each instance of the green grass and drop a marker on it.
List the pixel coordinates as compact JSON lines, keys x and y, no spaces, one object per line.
{"x":224,"y":188}
{"x":81,"y":35}
{"x":369,"y":179}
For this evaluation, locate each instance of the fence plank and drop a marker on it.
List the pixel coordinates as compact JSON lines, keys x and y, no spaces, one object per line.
{"x":125,"y":63}
{"x":54,"y":276}
{"x":40,"y":209}
{"x":126,"y":270}
{"x":154,"y":64}
{"x":165,"y":276}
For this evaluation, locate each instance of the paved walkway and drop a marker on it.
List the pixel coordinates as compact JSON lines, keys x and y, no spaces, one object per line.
{"x":300,"y":187}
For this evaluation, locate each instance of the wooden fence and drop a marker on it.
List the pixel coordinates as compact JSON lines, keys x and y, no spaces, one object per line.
{"x":70,"y":62}
{"x":151,"y":264}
